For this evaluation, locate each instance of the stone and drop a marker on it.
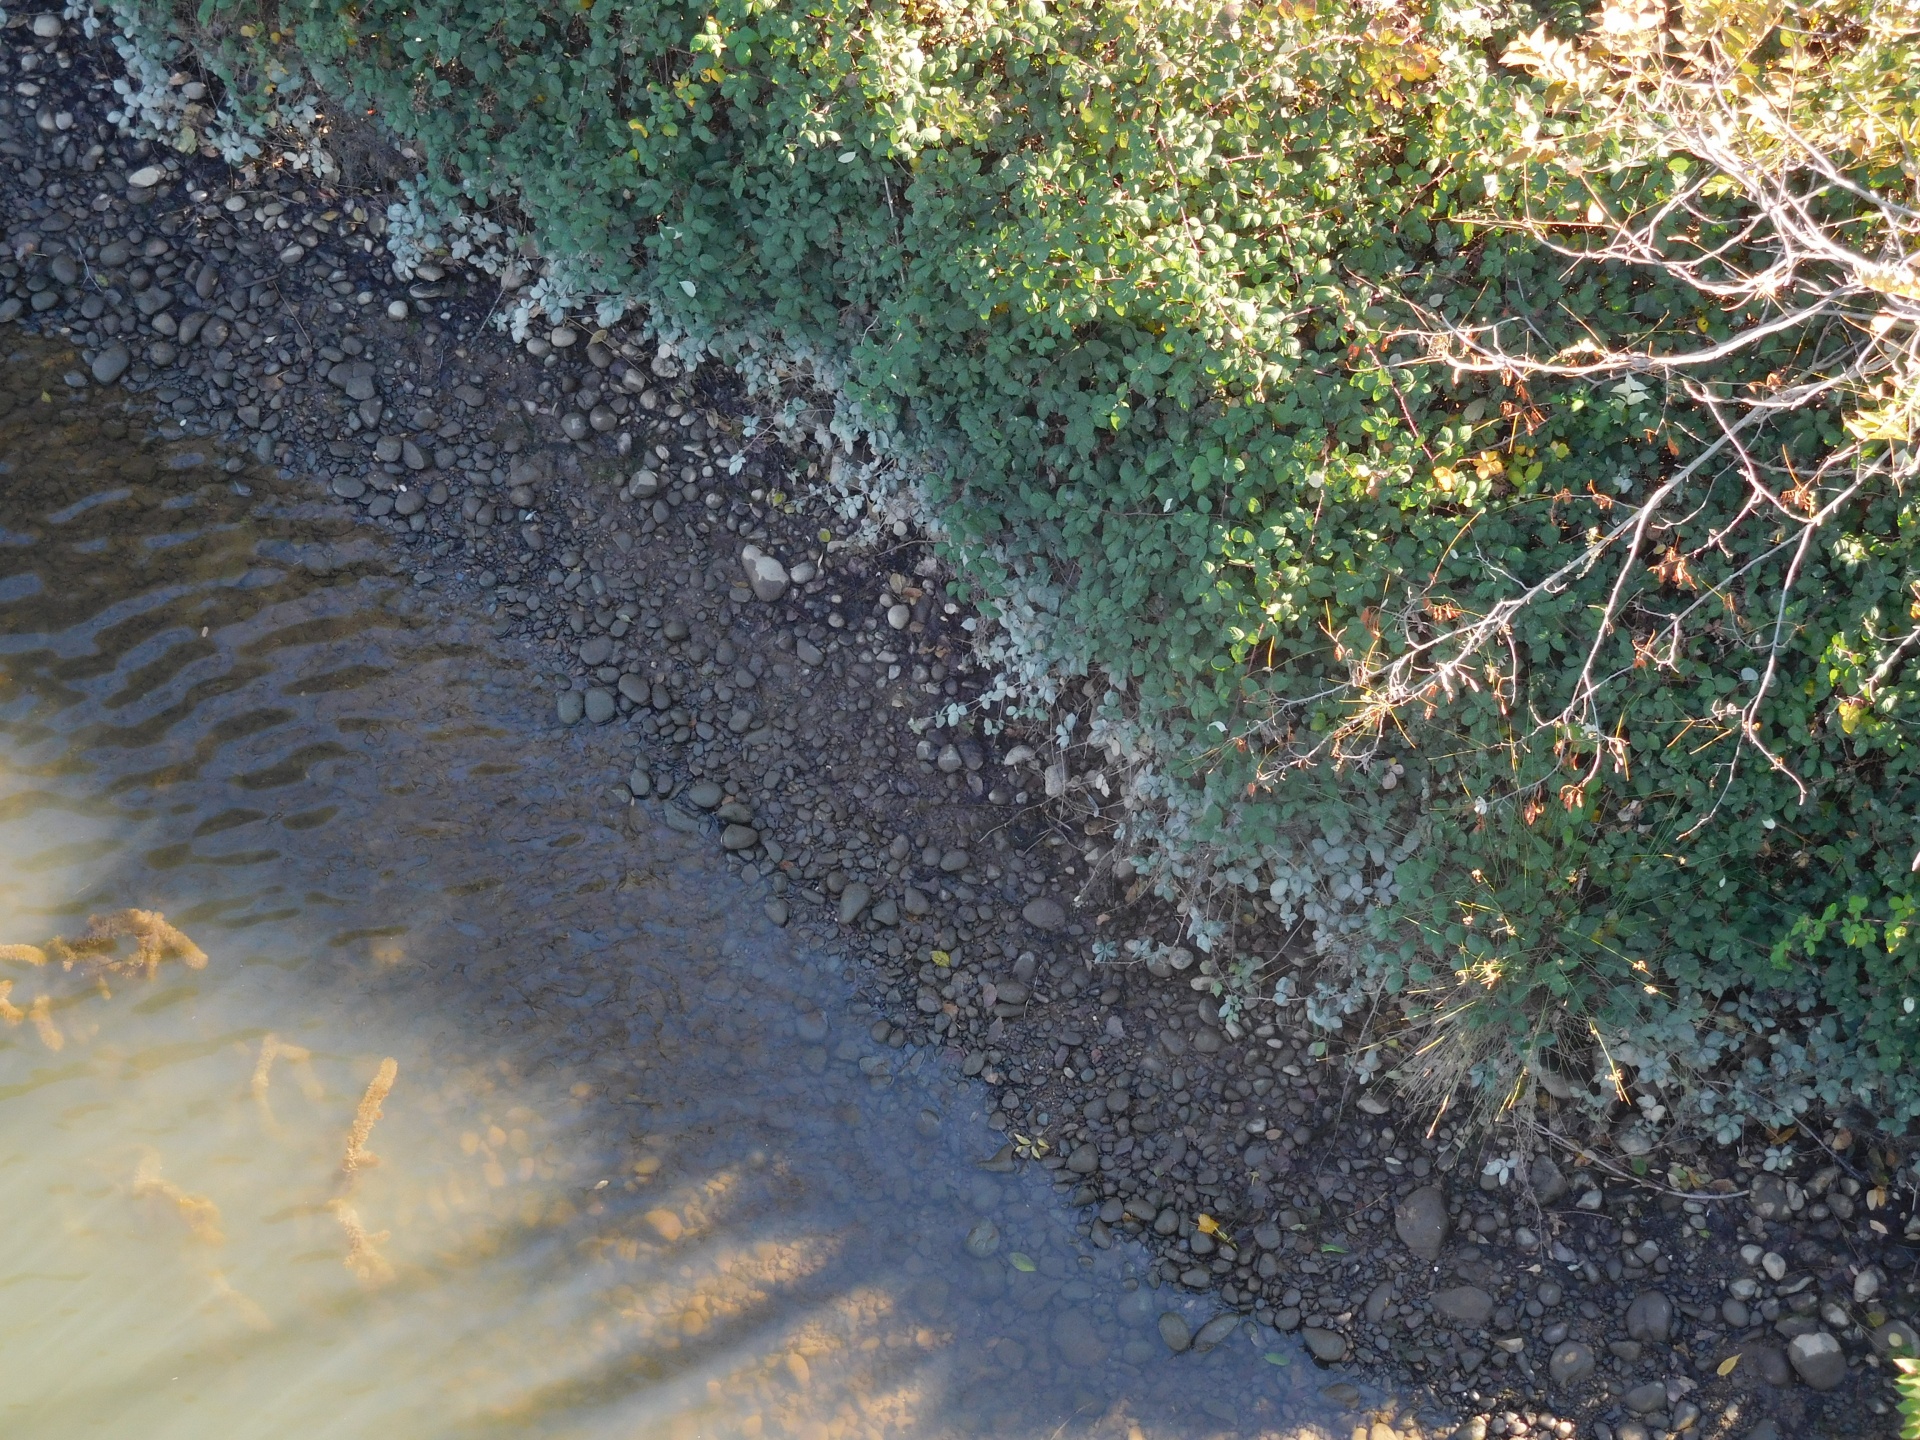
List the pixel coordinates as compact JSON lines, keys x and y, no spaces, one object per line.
{"x":599,"y":706}
{"x":1216,"y":1331}
{"x":766,"y":576}
{"x":1769,"y":1198}
{"x":983,"y":1239}
{"x":1467,"y":1305}
{"x":1897,"y":1337}
{"x":915,"y":902}
{"x":954,"y":861}
{"x":1078,"y":1342}
{"x":349,"y":487}
{"x":853,"y":902}
{"x":111,"y":363}
{"x":1765,"y":1430}
{"x":1175,"y":1331}
{"x":1421,"y":1221}
{"x":739,"y":837}
{"x":355,"y":377}
{"x":1327,"y":1346}
{"x":636,"y":689}
{"x":595,"y":649}
{"x":1549,"y":1185}
{"x":572,"y":705}
{"x":1084,"y":1160}
{"x":1645,"y":1398}
{"x":705,"y":793}
{"x":1571,"y":1363}
{"x":146,"y":177}
{"x":1045,"y":913}
{"x":776,"y":910}
{"x":1818,"y":1360}
{"x":1650,"y":1317}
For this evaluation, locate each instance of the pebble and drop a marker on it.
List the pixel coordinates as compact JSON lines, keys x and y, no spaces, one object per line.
{"x":572,"y":706}
{"x":983,"y":1239}
{"x":739,"y":837}
{"x":1215,"y":1332}
{"x":1078,"y":1342}
{"x":1045,"y":913}
{"x":1467,"y":1305}
{"x":1650,"y":1317}
{"x":766,"y":576}
{"x":1328,"y":1346}
{"x":111,"y":363}
{"x":599,"y":706}
{"x":1175,"y":1331}
{"x":1571,"y":1363}
{"x":705,"y":793}
{"x":1818,"y":1359}
{"x":853,"y":902}
{"x":1645,"y":1398}
{"x":1420,"y":1220}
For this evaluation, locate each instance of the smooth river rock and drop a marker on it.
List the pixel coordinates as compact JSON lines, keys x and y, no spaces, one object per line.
{"x":1421,"y":1221}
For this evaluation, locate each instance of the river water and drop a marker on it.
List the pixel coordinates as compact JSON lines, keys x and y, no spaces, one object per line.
{"x":638,"y":1169}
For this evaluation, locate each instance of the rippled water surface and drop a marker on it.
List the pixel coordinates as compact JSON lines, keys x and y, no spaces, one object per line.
{"x":627,"y":1178}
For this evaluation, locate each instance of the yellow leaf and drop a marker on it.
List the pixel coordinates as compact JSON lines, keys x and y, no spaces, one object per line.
{"x":942,"y":958}
{"x":1021,"y":1263}
{"x":1725,"y":1367}
{"x":1207,"y":1225}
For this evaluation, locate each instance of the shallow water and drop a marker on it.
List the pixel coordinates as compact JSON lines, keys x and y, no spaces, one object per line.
{"x":641,"y":1170}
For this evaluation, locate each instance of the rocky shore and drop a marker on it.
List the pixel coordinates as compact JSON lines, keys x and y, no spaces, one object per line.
{"x":678,"y":573}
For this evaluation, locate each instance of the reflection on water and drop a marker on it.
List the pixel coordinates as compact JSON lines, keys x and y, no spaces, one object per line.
{"x":399,"y":1085}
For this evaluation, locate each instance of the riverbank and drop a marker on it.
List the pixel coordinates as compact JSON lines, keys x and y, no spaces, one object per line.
{"x":612,"y":514}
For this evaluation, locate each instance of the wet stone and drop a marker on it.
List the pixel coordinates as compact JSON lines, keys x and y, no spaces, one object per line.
{"x":983,"y":1239}
{"x":111,"y":363}
{"x":1215,"y":1332}
{"x":1327,"y":1346}
{"x":598,"y":706}
{"x":1078,"y":1342}
{"x":1175,"y":1331}
{"x":572,"y":705}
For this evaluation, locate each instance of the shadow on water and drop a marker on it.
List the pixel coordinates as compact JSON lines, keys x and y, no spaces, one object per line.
{"x":641,"y":1170}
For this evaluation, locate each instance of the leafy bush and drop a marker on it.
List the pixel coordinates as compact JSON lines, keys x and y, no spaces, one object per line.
{"x":1171,"y":302}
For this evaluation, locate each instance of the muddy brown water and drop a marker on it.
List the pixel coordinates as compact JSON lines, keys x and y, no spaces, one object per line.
{"x":641,"y":1170}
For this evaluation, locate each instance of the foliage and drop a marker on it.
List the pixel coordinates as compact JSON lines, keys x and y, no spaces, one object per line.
{"x":1178,"y":306}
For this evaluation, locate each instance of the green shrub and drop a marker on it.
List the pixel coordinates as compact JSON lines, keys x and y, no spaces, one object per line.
{"x":1138,"y":285}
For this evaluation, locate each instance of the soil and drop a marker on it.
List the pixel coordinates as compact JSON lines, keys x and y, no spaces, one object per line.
{"x":597,"y":499}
